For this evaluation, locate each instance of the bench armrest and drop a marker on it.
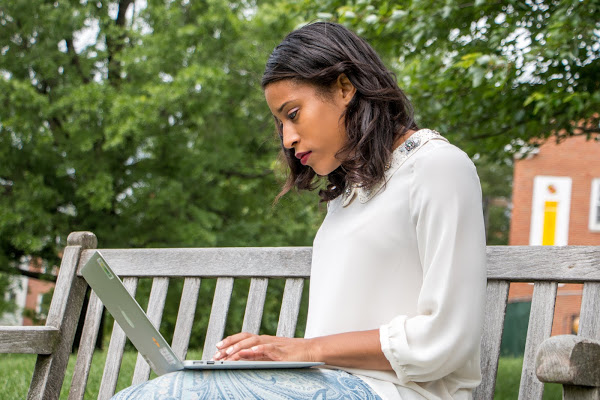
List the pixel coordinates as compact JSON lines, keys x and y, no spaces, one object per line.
{"x":28,"y":339}
{"x":570,"y":360}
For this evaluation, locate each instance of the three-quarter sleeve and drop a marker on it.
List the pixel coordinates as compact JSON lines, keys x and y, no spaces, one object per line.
{"x":446,"y":212}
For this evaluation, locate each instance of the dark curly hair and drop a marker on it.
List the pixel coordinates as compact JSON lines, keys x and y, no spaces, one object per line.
{"x":378,"y":114}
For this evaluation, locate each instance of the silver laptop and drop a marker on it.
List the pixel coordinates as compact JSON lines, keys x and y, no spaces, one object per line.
{"x":144,"y":336}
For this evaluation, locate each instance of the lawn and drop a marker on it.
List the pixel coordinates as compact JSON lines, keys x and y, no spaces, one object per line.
{"x":16,"y":370}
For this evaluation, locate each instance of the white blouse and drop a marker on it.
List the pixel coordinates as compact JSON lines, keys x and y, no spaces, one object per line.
{"x":408,"y":257}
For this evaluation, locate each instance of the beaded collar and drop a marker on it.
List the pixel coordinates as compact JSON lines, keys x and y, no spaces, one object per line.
{"x":399,"y":156}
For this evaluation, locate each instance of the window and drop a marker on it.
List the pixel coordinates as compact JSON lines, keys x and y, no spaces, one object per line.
{"x":595,"y":206}
{"x":550,"y":208}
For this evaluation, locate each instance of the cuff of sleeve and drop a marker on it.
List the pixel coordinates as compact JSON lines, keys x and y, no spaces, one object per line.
{"x":386,"y":347}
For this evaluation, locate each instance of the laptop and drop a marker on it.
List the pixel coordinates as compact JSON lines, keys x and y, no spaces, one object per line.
{"x":144,"y":336}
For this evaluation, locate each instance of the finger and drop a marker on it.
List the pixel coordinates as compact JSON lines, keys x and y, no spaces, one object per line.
{"x":229,"y":352}
{"x":230,"y":340}
{"x":224,"y":345}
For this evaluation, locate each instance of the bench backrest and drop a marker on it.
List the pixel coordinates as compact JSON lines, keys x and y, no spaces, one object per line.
{"x":544,"y":266}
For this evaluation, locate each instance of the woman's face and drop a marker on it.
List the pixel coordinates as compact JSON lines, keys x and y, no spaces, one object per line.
{"x":311,"y":122}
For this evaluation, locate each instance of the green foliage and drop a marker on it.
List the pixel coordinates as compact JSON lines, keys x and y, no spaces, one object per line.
{"x":7,"y":304}
{"x":496,"y":186}
{"x":153,"y":132}
{"x":508,"y":380}
{"x":489,"y":75}
{"x":147,"y":127}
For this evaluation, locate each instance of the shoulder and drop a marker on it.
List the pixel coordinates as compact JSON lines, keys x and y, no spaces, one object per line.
{"x":441,"y":169}
{"x":441,"y":157}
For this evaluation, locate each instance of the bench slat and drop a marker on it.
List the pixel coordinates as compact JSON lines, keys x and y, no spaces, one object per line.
{"x":85,"y":352}
{"x":589,"y":317}
{"x":114,"y":355}
{"x":255,"y":305}
{"x":185,"y":317}
{"x":493,"y":325}
{"x":156,"y":305}
{"x":290,"y":307}
{"x":218,"y":317}
{"x":28,"y":340}
{"x":539,"y":329}
{"x":543,"y":263}
{"x":514,"y":263}
{"x":209,"y":262}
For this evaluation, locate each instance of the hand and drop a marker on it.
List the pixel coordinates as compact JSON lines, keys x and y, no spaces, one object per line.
{"x":246,"y":346}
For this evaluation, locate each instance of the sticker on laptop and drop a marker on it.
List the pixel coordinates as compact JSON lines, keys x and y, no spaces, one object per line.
{"x":104,"y":267}
{"x":167,"y":355}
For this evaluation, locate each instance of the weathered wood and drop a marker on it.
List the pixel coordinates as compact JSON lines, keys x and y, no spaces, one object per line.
{"x":543,"y":263}
{"x":69,"y":292}
{"x":185,"y":317}
{"x":210,"y":262}
{"x":85,"y":351}
{"x":539,"y":329}
{"x":589,"y":317}
{"x":580,"y":393}
{"x":156,"y":305}
{"x":28,"y":340}
{"x":290,"y":307}
{"x":84,"y":239}
{"x":255,"y":305}
{"x":514,"y":263}
{"x":569,"y":359}
{"x":493,"y":326}
{"x":218,"y":317}
{"x":114,"y":355}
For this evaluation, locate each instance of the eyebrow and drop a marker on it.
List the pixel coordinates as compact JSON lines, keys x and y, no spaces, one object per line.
{"x":283,"y":105}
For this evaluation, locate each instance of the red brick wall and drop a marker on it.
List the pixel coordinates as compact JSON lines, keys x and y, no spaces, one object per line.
{"x":576,"y":158}
{"x":35,"y":287}
{"x":579,"y":159}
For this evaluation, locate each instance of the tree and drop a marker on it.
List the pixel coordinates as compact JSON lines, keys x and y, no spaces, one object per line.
{"x":492,"y":75}
{"x":495,"y":77}
{"x":6,"y":303}
{"x":146,"y":126}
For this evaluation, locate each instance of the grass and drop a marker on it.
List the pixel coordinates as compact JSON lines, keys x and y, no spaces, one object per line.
{"x":509,"y":378}
{"x":16,"y":370}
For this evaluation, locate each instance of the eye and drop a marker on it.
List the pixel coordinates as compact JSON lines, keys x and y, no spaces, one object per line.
{"x":292,"y":115}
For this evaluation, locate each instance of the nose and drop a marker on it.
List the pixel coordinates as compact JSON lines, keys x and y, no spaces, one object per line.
{"x":290,"y":136}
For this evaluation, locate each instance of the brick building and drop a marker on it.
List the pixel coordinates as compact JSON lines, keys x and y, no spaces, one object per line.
{"x":36,"y":289}
{"x":27,"y":294}
{"x":556,"y":201}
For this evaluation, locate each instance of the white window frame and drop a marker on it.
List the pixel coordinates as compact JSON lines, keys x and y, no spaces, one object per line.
{"x":595,"y":206}
{"x":38,"y":303}
{"x":540,"y":195}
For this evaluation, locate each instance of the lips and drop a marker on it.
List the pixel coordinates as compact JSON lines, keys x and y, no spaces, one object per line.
{"x":303,"y":157}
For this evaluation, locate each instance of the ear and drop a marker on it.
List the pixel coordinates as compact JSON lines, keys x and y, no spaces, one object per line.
{"x":345,"y":89}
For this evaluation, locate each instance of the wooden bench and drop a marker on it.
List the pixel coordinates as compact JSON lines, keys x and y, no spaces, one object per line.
{"x":571,"y":360}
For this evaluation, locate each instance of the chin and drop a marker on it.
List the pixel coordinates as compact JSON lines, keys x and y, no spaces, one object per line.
{"x":325,"y":167}
{"x":323,"y":171}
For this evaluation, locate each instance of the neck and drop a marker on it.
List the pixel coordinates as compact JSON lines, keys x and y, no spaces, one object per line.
{"x":402,"y":139}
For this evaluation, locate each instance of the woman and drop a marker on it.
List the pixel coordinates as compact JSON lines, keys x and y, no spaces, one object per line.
{"x":398,"y":271}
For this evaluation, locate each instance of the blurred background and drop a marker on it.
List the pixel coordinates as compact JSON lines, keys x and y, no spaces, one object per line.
{"x":143,"y":121}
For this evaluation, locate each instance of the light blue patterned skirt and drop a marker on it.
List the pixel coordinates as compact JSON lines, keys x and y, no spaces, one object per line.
{"x":313,"y":383}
